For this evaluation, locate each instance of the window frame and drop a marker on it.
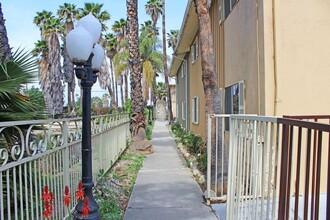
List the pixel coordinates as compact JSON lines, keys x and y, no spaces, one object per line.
{"x":194,"y":50}
{"x":183,"y":69}
{"x":229,"y":101}
{"x":183,"y":110}
{"x":195,"y":110}
{"x":225,"y":8}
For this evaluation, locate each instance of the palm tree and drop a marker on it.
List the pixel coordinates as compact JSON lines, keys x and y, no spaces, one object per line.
{"x":40,"y":20}
{"x":120,"y":29}
{"x":53,"y":84}
{"x":96,"y":10}
{"x":49,"y":63}
{"x":110,"y":45}
{"x":5,"y":51}
{"x":102,"y":16}
{"x":138,"y":122}
{"x":67,"y":12}
{"x":172,"y":38}
{"x":209,"y":76}
{"x":151,"y":61}
{"x":169,"y":99}
{"x":150,"y":29}
{"x":154,"y":8}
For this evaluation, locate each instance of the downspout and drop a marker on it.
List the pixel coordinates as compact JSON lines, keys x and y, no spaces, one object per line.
{"x":258,"y":59}
{"x":186,"y":92}
{"x":275,"y":58}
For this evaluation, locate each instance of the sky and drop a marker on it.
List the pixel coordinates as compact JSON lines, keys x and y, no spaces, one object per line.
{"x":21,"y":31}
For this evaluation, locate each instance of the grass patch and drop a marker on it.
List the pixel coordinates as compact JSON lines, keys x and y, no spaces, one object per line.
{"x":114,"y":189}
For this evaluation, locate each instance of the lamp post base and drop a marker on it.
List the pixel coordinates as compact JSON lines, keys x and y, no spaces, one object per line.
{"x":91,"y":216}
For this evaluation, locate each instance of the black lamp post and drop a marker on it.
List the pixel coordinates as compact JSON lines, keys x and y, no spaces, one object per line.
{"x":88,"y":57}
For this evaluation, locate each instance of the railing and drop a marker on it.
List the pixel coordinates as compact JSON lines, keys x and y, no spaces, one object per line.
{"x":34,"y":154}
{"x":253,"y":168}
{"x":217,"y":159}
{"x":305,"y":172}
{"x":278,"y":168}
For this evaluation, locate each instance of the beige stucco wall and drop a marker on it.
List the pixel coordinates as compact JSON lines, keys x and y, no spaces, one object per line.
{"x":240,"y":51}
{"x":196,"y":89}
{"x":303,"y":56}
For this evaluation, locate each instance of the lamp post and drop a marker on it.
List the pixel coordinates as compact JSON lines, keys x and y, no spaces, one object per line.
{"x":88,"y":56}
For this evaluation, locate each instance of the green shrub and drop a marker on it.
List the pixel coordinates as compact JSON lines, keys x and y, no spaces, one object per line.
{"x":177,"y":129}
{"x":149,"y":129}
{"x":193,"y":143}
{"x":202,"y":160}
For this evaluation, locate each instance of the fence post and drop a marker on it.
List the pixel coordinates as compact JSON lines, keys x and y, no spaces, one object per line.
{"x":209,"y":138}
{"x":284,"y":174}
{"x":66,"y":160}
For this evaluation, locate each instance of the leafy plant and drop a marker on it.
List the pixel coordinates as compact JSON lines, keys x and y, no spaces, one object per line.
{"x":202,"y":160}
{"x":149,"y":129}
{"x":16,"y":73}
{"x":193,"y":143}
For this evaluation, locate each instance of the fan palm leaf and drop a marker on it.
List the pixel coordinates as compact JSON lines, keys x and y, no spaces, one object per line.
{"x":14,"y":74}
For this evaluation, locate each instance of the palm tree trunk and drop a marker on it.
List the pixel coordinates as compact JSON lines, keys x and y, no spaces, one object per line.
{"x":111,"y":88}
{"x":55,"y":88}
{"x":121,"y":91}
{"x":116,"y":92}
{"x":209,"y":76}
{"x":113,"y":82}
{"x":5,"y":51}
{"x":168,"y":91}
{"x":113,"y":101}
{"x":69,"y":99}
{"x":137,"y":124}
{"x":126,"y":86}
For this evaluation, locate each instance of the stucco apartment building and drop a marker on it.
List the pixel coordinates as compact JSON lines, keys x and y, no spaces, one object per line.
{"x":272,"y":58}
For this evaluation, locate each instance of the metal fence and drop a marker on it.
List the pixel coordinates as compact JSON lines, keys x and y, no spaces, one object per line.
{"x":278,"y":168}
{"x":34,"y":154}
{"x":217,"y":158}
{"x":253,"y":168}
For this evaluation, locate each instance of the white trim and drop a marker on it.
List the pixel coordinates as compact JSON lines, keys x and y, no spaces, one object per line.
{"x":194,"y":50}
{"x":221,"y":7}
{"x":195,"y":110}
{"x":183,"y":110}
{"x":241,"y":97}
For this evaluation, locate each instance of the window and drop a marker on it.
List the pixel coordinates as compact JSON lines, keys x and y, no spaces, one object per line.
{"x":221,"y":5}
{"x":183,"y":69}
{"x":183,"y":110}
{"x":225,"y":7}
{"x":195,"y":111}
{"x":194,"y":50}
{"x":234,"y":100}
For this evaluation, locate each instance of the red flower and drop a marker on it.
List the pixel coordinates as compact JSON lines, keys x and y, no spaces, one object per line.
{"x":80,"y":191}
{"x":67,"y":196}
{"x":47,"y":198}
{"x":46,"y":195}
{"x":86,"y":208}
{"x":47,"y":213}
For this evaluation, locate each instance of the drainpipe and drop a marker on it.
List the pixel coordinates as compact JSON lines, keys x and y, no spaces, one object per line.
{"x":258,"y":54}
{"x":275,"y":58}
{"x":186,"y":93}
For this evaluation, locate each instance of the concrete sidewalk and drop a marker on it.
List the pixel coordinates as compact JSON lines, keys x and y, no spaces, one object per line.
{"x":165,"y":188}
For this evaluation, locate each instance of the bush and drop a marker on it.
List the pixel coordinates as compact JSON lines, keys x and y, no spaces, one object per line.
{"x":202,"y":160}
{"x":193,"y":143}
{"x":177,"y":129}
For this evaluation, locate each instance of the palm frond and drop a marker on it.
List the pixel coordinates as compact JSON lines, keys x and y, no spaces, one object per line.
{"x":18,"y":71}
